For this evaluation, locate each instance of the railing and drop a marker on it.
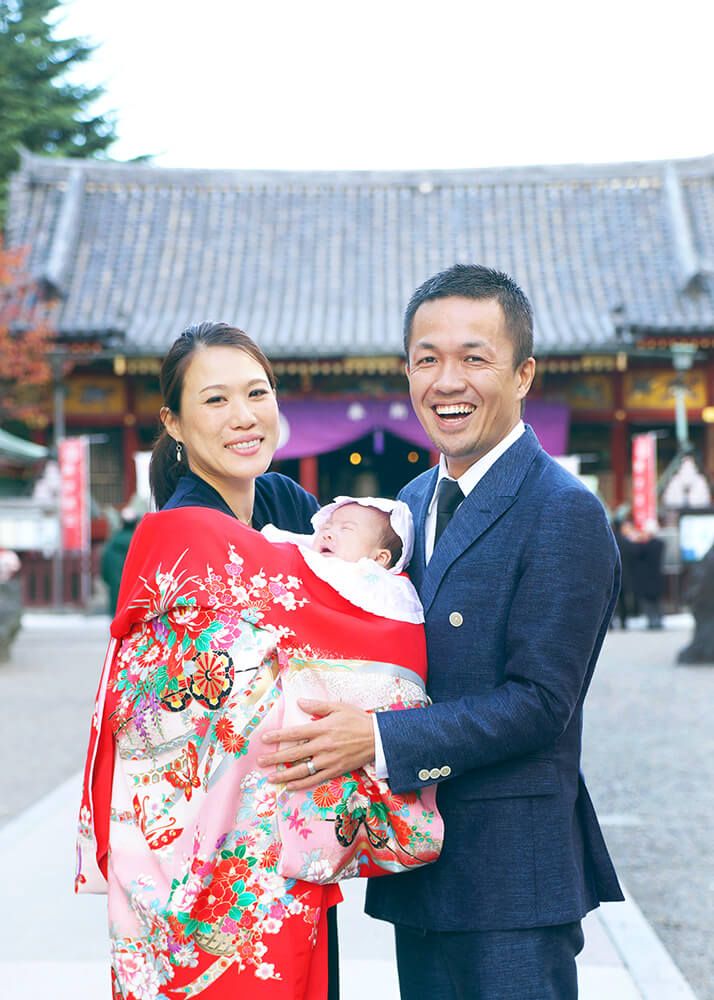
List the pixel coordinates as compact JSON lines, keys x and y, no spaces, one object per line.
{"x":36,"y":574}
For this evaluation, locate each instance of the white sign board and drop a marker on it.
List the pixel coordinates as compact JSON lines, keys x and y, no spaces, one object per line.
{"x":696,"y":535}
{"x":25,"y":528}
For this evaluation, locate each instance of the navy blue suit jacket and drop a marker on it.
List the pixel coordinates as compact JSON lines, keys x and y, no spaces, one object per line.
{"x":518,"y":596}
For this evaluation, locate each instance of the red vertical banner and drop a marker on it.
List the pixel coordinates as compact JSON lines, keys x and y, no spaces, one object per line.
{"x":644,"y":481}
{"x":74,"y":494}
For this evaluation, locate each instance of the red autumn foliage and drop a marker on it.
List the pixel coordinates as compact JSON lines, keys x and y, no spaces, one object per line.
{"x":26,"y":337}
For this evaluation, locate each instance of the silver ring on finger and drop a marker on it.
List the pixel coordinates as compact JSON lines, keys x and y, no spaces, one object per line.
{"x":310,"y":765}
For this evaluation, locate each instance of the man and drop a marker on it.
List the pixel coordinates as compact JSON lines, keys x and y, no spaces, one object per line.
{"x":518,"y":592}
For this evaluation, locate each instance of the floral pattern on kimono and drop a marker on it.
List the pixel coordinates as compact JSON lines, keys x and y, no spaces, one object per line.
{"x":178,"y":822}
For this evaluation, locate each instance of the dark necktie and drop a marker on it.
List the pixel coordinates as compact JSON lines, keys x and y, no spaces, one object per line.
{"x":449,"y":498}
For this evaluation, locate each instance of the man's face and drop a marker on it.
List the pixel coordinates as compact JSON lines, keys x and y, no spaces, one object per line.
{"x":463,"y":387}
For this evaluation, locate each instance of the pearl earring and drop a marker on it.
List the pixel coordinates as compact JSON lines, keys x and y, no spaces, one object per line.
{"x":179,"y":451}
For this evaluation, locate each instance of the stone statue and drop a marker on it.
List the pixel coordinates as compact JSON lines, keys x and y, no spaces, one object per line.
{"x":10,"y":601}
{"x":700,"y":597}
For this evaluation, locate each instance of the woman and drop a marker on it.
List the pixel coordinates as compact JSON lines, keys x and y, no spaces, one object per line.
{"x":221,"y":430}
{"x":220,"y":433}
{"x":218,"y":633}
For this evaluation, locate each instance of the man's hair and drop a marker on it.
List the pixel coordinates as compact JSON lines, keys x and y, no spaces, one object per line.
{"x":473,"y":281}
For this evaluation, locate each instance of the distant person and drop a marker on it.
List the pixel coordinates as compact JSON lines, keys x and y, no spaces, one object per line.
{"x":626,"y":538}
{"x":114,"y":555}
{"x":646,"y":554}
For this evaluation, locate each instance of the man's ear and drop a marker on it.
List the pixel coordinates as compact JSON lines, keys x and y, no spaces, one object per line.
{"x":526,"y":374}
{"x":383,"y":557}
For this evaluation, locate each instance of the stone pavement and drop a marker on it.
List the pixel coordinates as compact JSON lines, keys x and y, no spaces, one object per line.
{"x":648,"y":756}
{"x":53,"y":944}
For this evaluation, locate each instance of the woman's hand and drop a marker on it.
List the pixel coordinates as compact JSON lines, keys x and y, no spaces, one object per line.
{"x":340,"y":740}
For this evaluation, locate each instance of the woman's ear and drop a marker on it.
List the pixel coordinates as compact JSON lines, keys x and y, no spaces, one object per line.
{"x":168,"y":419}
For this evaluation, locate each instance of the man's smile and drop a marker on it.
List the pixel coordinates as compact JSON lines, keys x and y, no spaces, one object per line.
{"x":453,"y":413}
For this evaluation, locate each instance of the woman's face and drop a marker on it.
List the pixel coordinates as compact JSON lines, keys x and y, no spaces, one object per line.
{"x":229,"y":417}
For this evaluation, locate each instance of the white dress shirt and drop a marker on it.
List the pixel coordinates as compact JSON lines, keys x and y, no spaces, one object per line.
{"x":468,"y":481}
{"x":473,"y":475}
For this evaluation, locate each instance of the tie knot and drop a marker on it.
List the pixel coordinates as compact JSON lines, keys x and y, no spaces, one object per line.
{"x":448,"y":499}
{"x":450,"y":496}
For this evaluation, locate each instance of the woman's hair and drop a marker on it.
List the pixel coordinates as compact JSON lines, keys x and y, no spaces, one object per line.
{"x":165,"y":470}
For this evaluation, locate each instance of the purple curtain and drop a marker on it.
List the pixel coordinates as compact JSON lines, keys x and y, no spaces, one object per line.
{"x":316,"y":427}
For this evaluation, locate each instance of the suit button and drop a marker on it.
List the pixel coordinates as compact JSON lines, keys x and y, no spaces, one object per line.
{"x":456,"y":619}
{"x":435,"y":772}
{"x":424,"y":774}
{"x":445,"y":771}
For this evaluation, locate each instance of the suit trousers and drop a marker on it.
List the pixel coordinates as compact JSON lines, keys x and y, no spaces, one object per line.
{"x":333,"y":956}
{"x":531,"y":964}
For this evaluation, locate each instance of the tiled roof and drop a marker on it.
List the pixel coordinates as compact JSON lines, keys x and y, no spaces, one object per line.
{"x":323,"y":263}
{"x":19,"y":450}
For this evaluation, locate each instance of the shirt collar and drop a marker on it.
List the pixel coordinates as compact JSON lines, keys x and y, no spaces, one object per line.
{"x":475,"y":473}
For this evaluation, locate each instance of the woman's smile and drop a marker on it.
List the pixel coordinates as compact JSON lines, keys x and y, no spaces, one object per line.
{"x":245,"y":447}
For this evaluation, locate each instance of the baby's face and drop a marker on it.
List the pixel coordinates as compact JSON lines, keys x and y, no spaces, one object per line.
{"x":352,"y":532}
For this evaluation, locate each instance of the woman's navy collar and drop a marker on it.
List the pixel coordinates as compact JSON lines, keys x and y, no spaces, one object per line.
{"x":193,"y":487}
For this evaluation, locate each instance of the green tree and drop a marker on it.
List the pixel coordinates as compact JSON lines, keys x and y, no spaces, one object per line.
{"x":40,"y":108}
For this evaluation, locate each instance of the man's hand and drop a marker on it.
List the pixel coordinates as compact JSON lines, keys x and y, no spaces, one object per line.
{"x":341,"y":740}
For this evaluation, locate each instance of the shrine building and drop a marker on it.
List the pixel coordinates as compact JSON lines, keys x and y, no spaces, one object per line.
{"x":617,"y":259}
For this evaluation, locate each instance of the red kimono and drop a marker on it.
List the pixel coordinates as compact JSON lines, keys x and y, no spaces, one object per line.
{"x":218,"y":881}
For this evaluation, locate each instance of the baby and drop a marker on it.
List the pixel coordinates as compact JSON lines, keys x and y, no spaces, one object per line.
{"x":361,"y":547}
{"x":352,"y":530}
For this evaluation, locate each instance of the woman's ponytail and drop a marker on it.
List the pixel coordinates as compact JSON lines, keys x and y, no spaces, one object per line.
{"x":165,"y":469}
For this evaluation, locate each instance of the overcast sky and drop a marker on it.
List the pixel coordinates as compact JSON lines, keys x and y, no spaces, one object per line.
{"x":401,"y":83}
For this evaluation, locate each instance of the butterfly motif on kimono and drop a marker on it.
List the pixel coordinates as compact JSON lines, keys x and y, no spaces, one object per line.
{"x":184,"y":774}
{"x":347,"y":827}
{"x":157,"y":835}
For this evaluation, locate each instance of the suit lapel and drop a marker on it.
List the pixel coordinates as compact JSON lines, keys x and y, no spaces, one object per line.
{"x":420,"y":507}
{"x":490,"y":498}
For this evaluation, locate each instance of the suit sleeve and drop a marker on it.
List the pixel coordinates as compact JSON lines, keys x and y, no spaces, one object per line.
{"x":561,"y":607}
